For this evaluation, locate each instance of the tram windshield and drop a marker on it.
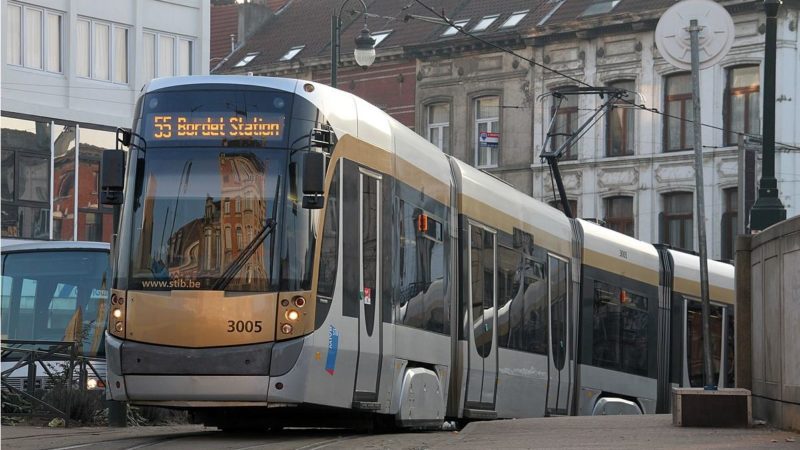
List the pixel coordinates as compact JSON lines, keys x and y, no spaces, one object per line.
{"x":216,"y":191}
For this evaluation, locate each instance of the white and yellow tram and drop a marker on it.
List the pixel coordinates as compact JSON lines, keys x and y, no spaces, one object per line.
{"x":290,"y":254}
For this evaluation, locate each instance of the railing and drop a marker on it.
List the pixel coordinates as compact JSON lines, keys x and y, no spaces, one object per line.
{"x":49,"y":356}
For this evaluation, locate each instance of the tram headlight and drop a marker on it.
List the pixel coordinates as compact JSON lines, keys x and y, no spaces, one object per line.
{"x":286,"y":328}
{"x":117,"y":313}
{"x":299,"y":302}
{"x":91,"y":383}
{"x":292,"y":315}
{"x":118,"y":327}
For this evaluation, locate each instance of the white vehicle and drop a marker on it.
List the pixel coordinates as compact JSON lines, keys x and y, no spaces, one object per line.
{"x":289,"y":254}
{"x":54,"y":293}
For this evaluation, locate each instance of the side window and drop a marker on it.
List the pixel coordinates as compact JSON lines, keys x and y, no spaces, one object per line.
{"x":558,"y":307}
{"x":509,"y":293}
{"x":329,"y":252}
{"x":482,"y":276}
{"x":620,"y":329}
{"x":422,"y":270}
{"x":522,"y":312}
{"x":694,"y":341}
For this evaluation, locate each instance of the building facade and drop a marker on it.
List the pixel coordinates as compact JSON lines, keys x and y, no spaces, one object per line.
{"x":71,"y":74}
{"x":633,"y":169}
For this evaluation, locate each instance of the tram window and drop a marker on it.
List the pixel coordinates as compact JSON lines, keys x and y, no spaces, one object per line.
{"x":694,"y":341}
{"x":558,"y":306}
{"x":510,"y":299}
{"x":329,"y":251}
{"x":620,"y":329}
{"x":421,"y":298}
{"x":482,"y":273}
{"x":536,"y":314}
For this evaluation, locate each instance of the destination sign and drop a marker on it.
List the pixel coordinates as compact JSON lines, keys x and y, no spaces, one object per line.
{"x":178,"y":126}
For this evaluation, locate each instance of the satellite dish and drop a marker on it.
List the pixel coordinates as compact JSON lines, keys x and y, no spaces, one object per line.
{"x":716,"y":36}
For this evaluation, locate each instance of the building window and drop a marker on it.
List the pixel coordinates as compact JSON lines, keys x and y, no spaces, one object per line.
{"x":251,"y":56}
{"x":619,"y":133}
{"x":566,"y":122}
{"x":678,"y":103}
{"x":33,"y":37}
{"x":102,"y":51}
{"x":676,"y":220}
{"x":514,"y":19}
{"x":166,"y":55}
{"x":286,"y":56}
{"x":742,"y":103}
{"x":573,"y":205}
{"x":487,"y":131}
{"x":451,"y":31}
{"x":730,"y":224}
{"x":95,"y":221}
{"x":25,"y":178}
{"x":619,"y":214}
{"x":439,"y":125}
{"x":485,"y":22}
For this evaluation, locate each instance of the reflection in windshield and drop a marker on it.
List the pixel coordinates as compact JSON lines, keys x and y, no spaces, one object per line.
{"x":193,"y":222}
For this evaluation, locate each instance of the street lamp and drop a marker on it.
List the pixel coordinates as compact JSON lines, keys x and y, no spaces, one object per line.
{"x":768,"y":209}
{"x":365,"y":43}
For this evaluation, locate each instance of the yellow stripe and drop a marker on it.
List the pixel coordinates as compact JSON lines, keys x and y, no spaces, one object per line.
{"x":495,"y":218}
{"x":618,"y":266}
{"x":692,"y":288}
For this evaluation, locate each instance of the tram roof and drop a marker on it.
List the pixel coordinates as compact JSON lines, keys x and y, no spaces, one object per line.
{"x":8,"y":245}
{"x":686,"y":275}
{"x":619,"y":253}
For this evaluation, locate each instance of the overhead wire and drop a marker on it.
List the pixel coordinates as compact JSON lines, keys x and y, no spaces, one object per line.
{"x":533,"y":62}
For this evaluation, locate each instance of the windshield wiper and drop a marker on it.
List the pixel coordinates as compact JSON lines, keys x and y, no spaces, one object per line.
{"x":237,"y":264}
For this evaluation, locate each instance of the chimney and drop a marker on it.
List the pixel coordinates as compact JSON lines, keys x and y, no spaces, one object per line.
{"x":252,"y":14}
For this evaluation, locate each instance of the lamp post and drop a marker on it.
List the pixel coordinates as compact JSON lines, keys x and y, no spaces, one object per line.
{"x":365,"y":43}
{"x":768,"y":209}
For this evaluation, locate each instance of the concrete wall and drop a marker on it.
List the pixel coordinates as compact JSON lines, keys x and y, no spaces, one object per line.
{"x":774,"y":350}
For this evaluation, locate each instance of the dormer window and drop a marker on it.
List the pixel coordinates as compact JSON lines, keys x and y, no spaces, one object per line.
{"x":380,"y":36}
{"x":485,"y":22}
{"x":599,"y":8}
{"x":453,"y":30}
{"x":292,"y":53}
{"x":514,"y":19}
{"x":246,"y":60}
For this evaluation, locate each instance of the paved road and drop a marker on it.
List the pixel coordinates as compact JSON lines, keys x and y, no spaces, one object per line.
{"x":609,"y":432}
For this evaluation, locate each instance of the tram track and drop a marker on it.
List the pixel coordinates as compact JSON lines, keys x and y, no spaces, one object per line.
{"x":295,"y":439}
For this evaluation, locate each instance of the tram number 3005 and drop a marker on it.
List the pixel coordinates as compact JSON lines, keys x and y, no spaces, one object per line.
{"x":244,"y":326}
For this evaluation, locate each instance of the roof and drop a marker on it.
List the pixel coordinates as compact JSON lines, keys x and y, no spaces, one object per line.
{"x":307,"y":23}
{"x":20,"y":245}
{"x":224,"y":23}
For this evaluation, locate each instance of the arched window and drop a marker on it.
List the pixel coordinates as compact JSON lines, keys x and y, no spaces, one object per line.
{"x":619,"y":214}
{"x":678,"y":111}
{"x":742,"y":105}
{"x":566,"y":122}
{"x":438,"y":115}
{"x":620,"y":124}
{"x":487,"y":131}
{"x":676,"y":220}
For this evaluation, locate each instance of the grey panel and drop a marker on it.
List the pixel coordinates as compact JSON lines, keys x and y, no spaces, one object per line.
{"x":205,"y":388}
{"x":139,"y":358}
{"x":113,"y":347}
{"x":284,"y":356}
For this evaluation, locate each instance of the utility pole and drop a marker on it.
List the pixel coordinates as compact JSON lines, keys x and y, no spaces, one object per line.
{"x":768,"y":209}
{"x":694,"y":31}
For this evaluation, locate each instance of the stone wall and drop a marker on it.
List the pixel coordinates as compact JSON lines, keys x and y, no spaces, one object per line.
{"x":768,"y":310}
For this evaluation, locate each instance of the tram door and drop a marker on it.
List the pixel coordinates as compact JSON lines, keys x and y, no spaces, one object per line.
{"x":482,"y":376}
{"x":369,"y":309}
{"x":558,"y":385}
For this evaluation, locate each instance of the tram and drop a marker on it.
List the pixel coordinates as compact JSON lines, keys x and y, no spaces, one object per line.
{"x":289,"y":254}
